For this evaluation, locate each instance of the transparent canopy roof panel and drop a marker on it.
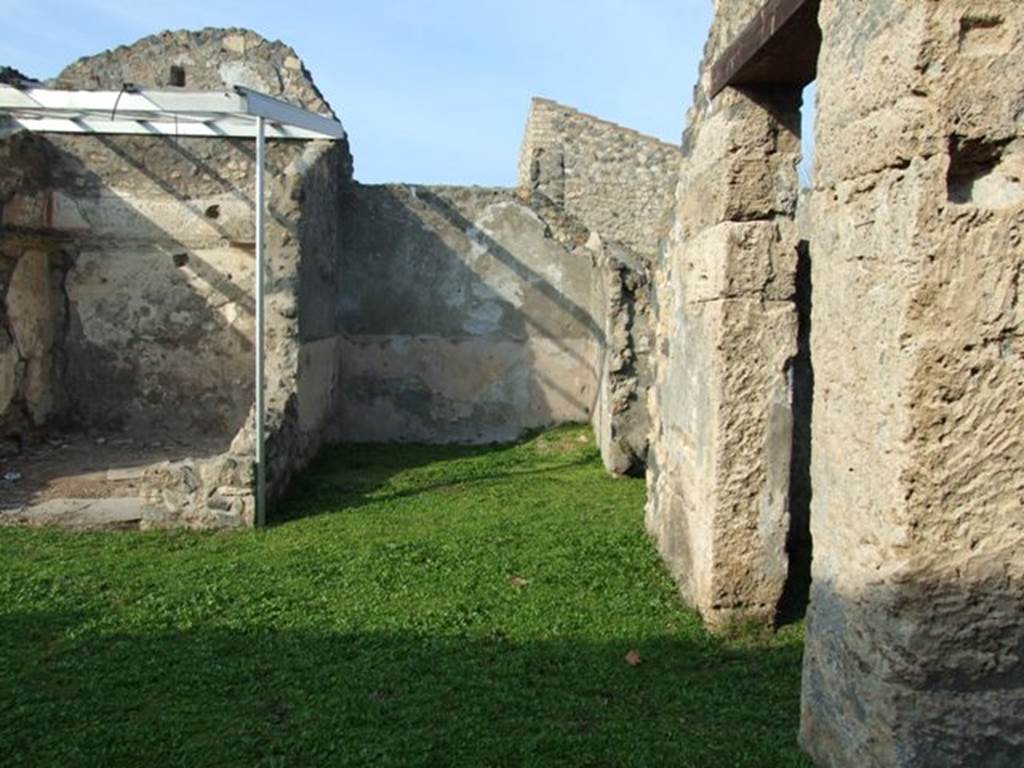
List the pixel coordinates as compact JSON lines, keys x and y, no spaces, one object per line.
{"x":163,"y":112}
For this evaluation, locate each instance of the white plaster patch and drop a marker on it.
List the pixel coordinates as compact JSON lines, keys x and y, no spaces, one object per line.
{"x":501,"y":285}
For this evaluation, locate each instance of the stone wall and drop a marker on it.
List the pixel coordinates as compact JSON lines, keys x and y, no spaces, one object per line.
{"x":304,"y":341}
{"x":618,"y":184}
{"x":158,"y":286}
{"x":466,"y":316}
{"x":914,"y":649}
{"x":396,"y":312}
{"x":615,"y":181}
{"x":621,"y":420}
{"x":157,"y":241}
{"x":726,"y":340}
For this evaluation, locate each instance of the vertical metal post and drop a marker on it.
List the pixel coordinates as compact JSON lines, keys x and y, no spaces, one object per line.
{"x":261,"y":448}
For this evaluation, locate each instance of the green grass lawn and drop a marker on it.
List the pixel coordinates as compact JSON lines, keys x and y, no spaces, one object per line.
{"x":412,"y":606}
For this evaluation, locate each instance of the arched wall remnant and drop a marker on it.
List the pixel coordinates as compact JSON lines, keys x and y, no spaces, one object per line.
{"x":137,"y":251}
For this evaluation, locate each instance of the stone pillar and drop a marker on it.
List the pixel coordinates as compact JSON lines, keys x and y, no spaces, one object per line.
{"x":915,"y":649}
{"x":727,"y":334}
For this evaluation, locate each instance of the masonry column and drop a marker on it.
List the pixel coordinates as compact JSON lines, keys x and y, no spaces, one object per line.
{"x":915,"y":651}
{"x":727,"y":332}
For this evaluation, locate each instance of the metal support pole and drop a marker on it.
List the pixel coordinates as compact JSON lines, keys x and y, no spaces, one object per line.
{"x":261,"y":448}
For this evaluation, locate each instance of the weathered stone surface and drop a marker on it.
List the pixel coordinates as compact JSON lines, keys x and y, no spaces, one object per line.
{"x":158,"y":236}
{"x":35,"y":311}
{"x":721,"y":402}
{"x":464,"y":317}
{"x":160,"y":343}
{"x":916,"y":628}
{"x":211,"y":58}
{"x":79,"y":514}
{"x":615,"y":181}
{"x":204,"y":493}
{"x":10,"y":362}
{"x":621,"y":420}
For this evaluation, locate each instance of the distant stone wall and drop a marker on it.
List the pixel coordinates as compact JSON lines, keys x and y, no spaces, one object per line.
{"x":465,"y":317}
{"x":617,"y":182}
{"x":619,"y":185}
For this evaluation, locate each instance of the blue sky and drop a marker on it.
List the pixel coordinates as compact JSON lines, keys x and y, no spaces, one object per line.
{"x":433,"y":92}
{"x":430,"y":92}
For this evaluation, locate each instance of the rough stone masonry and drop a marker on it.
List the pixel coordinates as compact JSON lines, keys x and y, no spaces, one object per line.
{"x":396,"y":312}
{"x":126,"y":269}
{"x":851,"y":353}
{"x":915,"y":649}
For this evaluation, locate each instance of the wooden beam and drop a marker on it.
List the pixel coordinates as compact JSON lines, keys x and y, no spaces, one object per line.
{"x":778,"y":47}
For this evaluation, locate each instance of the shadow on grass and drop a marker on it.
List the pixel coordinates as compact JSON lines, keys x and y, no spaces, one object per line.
{"x":71,"y":695}
{"x":350,"y":476}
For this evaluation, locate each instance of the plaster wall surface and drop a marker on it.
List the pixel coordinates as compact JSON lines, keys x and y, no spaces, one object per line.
{"x":32,"y":305}
{"x":155,"y":237}
{"x":916,"y":630}
{"x":464,"y":317}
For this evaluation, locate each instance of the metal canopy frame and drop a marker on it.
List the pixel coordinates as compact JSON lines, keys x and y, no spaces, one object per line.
{"x":209,"y":114}
{"x":238,"y":113}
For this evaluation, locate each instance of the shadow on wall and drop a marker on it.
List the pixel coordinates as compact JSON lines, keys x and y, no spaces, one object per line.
{"x":465,"y":319}
{"x":158,"y":301}
{"x":870,"y":676}
{"x":799,"y":548}
{"x":148,"y":341}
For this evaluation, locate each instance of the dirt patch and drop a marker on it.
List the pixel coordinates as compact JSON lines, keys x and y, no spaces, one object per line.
{"x":88,"y":467}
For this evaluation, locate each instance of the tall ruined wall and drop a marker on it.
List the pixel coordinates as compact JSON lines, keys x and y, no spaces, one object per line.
{"x":157,"y":287}
{"x":465,"y":317}
{"x":726,"y":338}
{"x":916,"y":629}
{"x":621,"y":420}
{"x":617,"y":182}
{"x":210,"y":58}
{"x":158,"y":240}
{"x":305,"y":344}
